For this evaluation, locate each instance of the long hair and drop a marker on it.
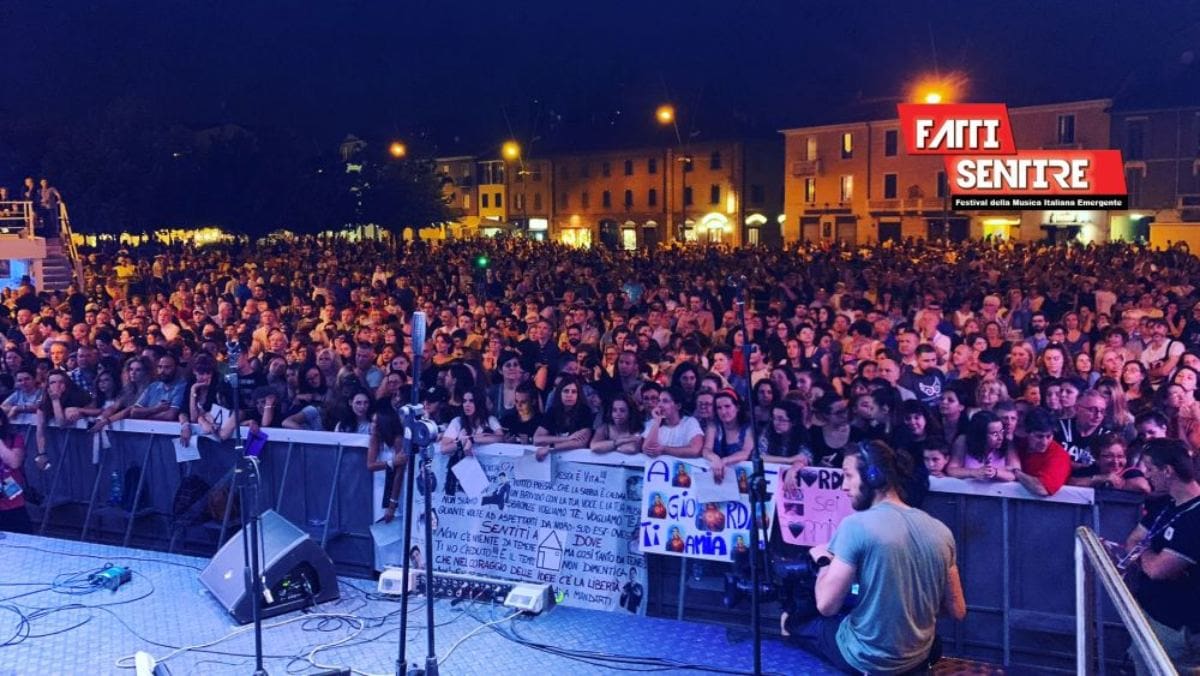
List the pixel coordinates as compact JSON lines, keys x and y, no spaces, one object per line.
{"x":769,"y":384}
{"x":1118,"y":406}
{"x":796,"y":438}
{"x":977,"y":432}
{"x":73,"y":395}
{"x":1143,"y":388}
{"x":464,"y":379}
{"x":478,"y":421}
{"x":388,"y":427}
{"x":743,"y":416}
{"x":113,"y":392}
{"x":636,"y":421}
{"x":677,"y":375}
{"x":575,"y":417}
{"x":933,"y":427}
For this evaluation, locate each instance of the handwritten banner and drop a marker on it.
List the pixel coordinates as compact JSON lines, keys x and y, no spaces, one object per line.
{"x":811,"y":511}
{"x":577,"y":533}
{"x":686,"y":513}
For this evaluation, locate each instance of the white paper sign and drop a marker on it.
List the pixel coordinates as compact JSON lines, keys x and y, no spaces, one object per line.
{"x":218,"y":414}
{"x":705,"y":488}
{"x":528,"y":467}
{"x":471,"y":477}
{"x":186,"y":453}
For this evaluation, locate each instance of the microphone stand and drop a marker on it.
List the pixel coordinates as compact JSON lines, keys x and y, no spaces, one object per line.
{"x":419,"y":435}
{"x":246,"y":472}
{"x":758,"y":486}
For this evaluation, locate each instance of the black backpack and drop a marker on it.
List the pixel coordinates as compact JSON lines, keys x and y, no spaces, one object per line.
{"x":189,"y":498}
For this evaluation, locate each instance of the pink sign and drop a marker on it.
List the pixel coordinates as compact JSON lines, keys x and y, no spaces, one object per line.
{"x":811,"y":510}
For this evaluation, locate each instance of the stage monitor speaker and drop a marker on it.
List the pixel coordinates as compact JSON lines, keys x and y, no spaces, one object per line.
{"x":296,"y":571}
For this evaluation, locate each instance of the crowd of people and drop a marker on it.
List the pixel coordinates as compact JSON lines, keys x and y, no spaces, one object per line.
{"x":986,"y":361}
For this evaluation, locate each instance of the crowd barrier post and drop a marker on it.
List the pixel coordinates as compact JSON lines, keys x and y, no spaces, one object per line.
{"x":287,"y":464}
{"x":132,"y":512}
{"x":682,"y":589}
{"x":333,"y":494}
{"x":1006,"y":583}
{"x":60,"y":464}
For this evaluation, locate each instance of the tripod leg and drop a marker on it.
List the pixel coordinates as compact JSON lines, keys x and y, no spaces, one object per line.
{"x":409,"y":483}
{"x":431,"y":665}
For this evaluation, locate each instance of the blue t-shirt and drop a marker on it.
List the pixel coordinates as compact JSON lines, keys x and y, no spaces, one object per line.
{"x":901,"y":556}
{"x":158,"y":392}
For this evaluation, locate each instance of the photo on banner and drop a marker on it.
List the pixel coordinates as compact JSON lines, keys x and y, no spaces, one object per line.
{"x":685,"y":512}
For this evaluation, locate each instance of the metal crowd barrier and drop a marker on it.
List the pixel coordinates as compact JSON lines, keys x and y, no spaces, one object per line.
{"x":1014,"y":549}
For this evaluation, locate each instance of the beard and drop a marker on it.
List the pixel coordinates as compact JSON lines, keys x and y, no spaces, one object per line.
{"x":861,"y":501}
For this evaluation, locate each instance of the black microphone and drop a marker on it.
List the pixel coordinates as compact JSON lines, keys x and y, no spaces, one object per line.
{"x":418,"y":334}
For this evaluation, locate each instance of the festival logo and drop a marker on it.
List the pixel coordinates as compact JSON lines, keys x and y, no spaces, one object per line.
{"x":986,"y":170}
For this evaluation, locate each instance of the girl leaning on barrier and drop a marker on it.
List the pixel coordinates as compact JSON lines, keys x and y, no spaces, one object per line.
{"x":13,"y":516}
{"x":62,"y":405}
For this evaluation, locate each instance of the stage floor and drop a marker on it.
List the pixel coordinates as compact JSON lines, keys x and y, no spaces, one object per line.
{"x":165,"y":608}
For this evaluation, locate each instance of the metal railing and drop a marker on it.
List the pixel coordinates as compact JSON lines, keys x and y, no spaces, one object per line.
{"x":68,"y":245}
{"x":17,"y":218}
{"x":908,"y":205}
{"x":1188,"y":201}
{"x":1092,"y":564}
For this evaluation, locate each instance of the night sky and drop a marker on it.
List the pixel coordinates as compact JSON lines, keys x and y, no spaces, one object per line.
{"x":460,"y":73}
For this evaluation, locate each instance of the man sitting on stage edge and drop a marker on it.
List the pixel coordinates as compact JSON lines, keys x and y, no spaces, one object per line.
{"x":904,"y":562}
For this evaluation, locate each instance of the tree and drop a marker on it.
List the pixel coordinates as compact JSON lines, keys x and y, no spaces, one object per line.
{"x":111,"y":168}
{"x":401,"y":195}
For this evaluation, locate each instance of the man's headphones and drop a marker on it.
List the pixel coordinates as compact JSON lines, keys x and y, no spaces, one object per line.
{"x":872,"y":474}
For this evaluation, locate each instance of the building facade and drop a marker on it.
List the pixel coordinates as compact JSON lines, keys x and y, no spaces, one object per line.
{"x":855,"y":183}
{"x":726,"y":192}
{"x":1161,"y":151}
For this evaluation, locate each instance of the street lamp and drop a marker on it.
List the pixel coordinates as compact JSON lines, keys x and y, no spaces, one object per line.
{"x":511,"y":150}
{"x":665,"y":114}
{"x":397,"y":149}
{"x":940,"y":89}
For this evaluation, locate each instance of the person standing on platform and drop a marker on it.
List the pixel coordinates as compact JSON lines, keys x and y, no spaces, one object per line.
{"x":49,"y":200}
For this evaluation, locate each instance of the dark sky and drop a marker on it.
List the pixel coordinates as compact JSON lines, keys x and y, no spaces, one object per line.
{"x":557,"y":67}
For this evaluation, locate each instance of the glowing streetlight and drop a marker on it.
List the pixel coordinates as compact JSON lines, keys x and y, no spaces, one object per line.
{"x":511,"y":150}
{"x":941,"y":88}
{"x":665,"y":114}
{"x":397,"y":149}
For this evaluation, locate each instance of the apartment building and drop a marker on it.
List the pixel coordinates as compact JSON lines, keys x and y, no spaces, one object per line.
{"x":725,"y":192}
{"x":1161,"y":150}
